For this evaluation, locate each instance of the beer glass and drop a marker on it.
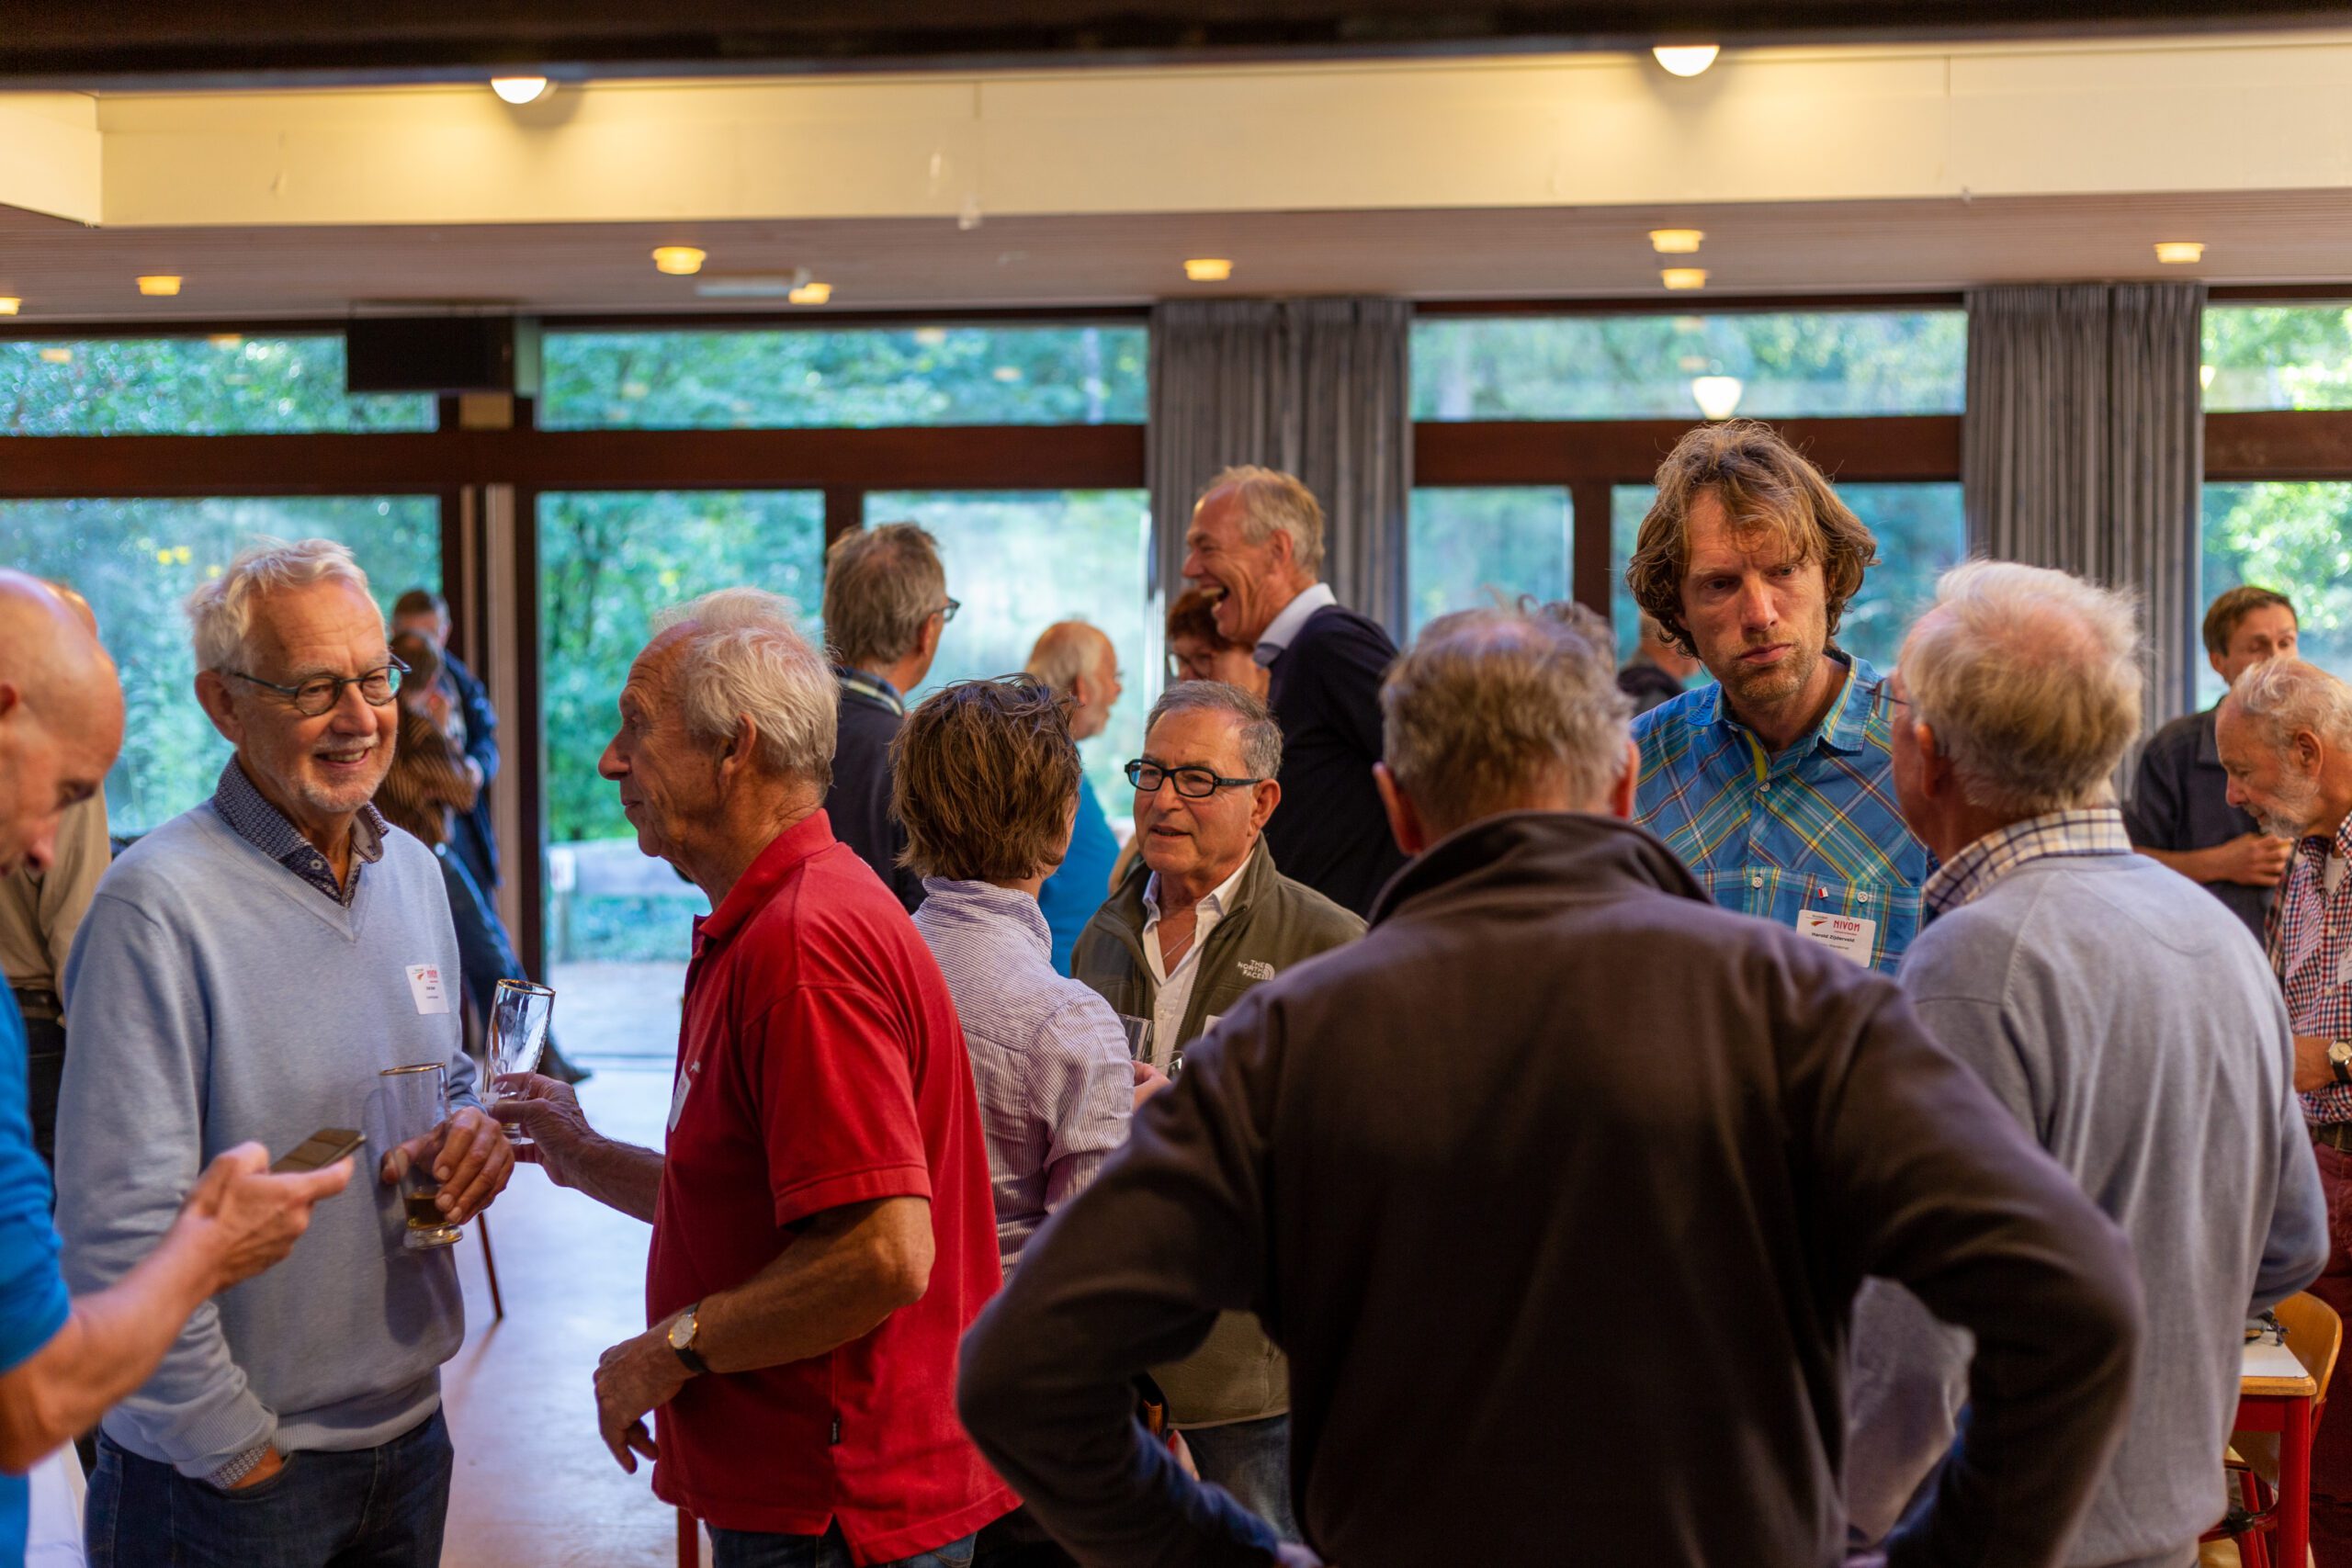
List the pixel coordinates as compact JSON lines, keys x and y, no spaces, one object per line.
{"x":413,"y":1105}
{"x":519,"y":1014}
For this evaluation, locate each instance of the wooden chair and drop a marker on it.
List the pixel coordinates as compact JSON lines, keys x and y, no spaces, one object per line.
{"x":2314,"y":1335}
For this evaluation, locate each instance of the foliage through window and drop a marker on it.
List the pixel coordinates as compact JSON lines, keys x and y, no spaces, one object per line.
{"x":224,"y":384}
{"x":1466,"y":544}
{"x":137,"y":561}
{"x":2291,"y":535}
{"x":858,"y":376}
{"x":2277,"y":356}
{"x":1765,"y":365}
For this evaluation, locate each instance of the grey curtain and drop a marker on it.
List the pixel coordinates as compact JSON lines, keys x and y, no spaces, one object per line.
{"x":2084,"y":448}
{"x":1317,"y":387}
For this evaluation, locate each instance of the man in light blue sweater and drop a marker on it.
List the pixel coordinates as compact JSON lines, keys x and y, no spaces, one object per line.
{"x":246,"y":972}
{"x":2124,"y":1017}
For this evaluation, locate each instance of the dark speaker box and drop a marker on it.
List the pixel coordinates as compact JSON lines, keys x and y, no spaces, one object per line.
{"x":441,"y":353}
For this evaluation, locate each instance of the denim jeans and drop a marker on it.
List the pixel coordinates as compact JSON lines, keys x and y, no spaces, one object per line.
{"x":379,"y":1508}
{"x":751,"y":1549}
{"x":1251,"y":1461}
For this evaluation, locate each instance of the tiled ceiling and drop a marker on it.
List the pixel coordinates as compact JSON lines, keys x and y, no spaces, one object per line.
{"x":66,"y":272}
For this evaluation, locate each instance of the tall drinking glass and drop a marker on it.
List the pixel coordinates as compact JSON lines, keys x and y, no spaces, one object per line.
{"x":519,"y":1014}
{"x":413,"y":1108}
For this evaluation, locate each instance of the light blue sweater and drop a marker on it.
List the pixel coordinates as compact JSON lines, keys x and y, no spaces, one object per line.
{"x":2131,"y":1024}
{"x":218,"y":997}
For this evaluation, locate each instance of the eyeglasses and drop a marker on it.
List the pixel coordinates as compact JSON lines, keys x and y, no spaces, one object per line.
{"x":1883,"y":703}
{"x":314,"y":697}
{"x":947,"y":611}
{"x":1193,"y":784}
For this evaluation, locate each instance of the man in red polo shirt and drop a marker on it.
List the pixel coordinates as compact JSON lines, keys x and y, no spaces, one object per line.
{"x":823,"y":1228}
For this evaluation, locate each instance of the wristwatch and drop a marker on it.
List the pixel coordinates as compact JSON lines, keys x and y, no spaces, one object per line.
{"x":2340,"y":1057}
{"x":687,"y":1324}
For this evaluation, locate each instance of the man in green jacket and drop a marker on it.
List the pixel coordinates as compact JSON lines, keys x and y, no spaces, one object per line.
{"x":1201,"y":918}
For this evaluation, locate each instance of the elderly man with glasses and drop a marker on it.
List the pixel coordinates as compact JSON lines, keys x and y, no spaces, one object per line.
{"x":1201,"y":918}
{"x":247,"y":971}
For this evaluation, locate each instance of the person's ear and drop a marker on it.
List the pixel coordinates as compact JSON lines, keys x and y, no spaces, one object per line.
{"x":1622,"y":794}
{"x":2215,"y":660}
{"x":212,"y":694}
{"x":735,"y":757}
{"x":2309,"y":751}
{"x":1264,"y":795}
{"x":934,"y":626}
{"x":1935,"y":767}
{"x":1404,"y":821}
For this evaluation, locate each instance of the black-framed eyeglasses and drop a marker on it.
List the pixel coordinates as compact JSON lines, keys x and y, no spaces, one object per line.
{"x":320,"y":695}
{"x":1193,"y":784}
{"x":1883,"y":702}
{"x":947,"y":611}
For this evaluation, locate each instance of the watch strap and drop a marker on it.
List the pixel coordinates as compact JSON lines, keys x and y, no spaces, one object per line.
{"x":2340,"y":1065}
{"x":686,"y":1353}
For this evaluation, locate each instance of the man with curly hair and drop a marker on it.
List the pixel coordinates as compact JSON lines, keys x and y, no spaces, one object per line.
{"x":1775,"y":783}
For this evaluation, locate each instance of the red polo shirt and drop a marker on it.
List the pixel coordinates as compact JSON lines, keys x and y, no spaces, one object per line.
{"x":820,"y":1064}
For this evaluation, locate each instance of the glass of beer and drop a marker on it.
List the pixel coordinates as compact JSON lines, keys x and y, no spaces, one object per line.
{"x":414,"y":1103}
{"x":519,"y":1014}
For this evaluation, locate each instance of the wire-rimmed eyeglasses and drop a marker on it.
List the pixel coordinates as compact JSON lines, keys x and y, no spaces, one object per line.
{"x":320,"y":693}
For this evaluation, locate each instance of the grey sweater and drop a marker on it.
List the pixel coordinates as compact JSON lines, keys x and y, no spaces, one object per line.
{"x":218,"y":997}
{"x":2130,"y":1025}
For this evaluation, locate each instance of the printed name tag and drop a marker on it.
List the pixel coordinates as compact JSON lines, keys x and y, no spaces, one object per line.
{"x":678,"y":1095}
{"x":424,"y":984}
{"x":1839,"y":933}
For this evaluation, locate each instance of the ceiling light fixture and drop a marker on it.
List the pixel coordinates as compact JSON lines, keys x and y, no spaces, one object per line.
{"x":519,"y":90}
{"x":1686,"y":58}
{"x":10,"y":304}
{"x":678,"y":261}
{"x":1683,"y":277}
{"x":226,"y":341}
{"x":160,"y":285}
{"x":1717,"y":396}
{"x":2180,"y":252}
{"x":811,"y":293}
{"x":1676,"y":241}
{"x":1208,"y":269}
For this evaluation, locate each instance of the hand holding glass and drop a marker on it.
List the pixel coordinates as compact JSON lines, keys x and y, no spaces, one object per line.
{"x":413,"y":1105}
{"x":519,"y":1015}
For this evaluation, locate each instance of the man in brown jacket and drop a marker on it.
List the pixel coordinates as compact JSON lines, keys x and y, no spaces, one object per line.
{"x":1556,"y":1188}
{"x":1202,"y":919}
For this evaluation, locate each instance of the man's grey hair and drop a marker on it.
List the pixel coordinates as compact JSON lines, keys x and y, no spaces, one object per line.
{"x":1275,"y":501}
{"x":745,"y":658}
{"x":1261,"y":737}
{"x":1489,"y":706}
{"x":220,"y":611}
{"x":2285,"y":695}
{"x":2030,"y":680}
{"x":1067,"y":649}
{"x":881,"y":584}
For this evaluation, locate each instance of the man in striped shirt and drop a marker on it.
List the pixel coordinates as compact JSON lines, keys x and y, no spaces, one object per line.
{"x":1774,"y":784}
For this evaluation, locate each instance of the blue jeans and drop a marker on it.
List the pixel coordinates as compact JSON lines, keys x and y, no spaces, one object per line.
{"x":379,"y":1508}
{"x":752,"y":1549}
{"x":1251,"y":1461}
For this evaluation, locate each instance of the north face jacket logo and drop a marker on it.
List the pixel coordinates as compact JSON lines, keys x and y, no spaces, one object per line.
{"x":1256,"y":969}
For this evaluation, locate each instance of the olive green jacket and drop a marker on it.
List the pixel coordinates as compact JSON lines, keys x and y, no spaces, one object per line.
{"x":1237,"y":1374}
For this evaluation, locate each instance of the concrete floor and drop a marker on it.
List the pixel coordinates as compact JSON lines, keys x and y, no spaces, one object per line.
{"x":534,"y":1486}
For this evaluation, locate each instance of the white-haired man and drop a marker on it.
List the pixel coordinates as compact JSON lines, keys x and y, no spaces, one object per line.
{"x":824,"y":1228}
{"x":1453,"y":1155}
{"x":1256,"y":542}
{"x":1078,"y":662}
{"x":2121,"y":1013}
{"x":2284,"y":735}
{"x":247,"y":971}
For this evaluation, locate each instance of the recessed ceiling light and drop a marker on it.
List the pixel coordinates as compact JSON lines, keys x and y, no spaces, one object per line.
{"x":1686,"y":58}
{"x":1208,"y":269}
{"x":1676,"y":241}
{"x":161,"y":284}
{"x":678,"y":261}
{"x":1683,"y":277}
{"x":2180,"y":252}
{"x":519,"y":89}
{"x":811,"y":293}
{"x":10,"y":304}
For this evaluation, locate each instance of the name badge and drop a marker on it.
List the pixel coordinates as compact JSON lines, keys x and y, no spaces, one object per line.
{"x":424,"y":984}
{"x":678,"y":1095}
{"x":1839,"y":933}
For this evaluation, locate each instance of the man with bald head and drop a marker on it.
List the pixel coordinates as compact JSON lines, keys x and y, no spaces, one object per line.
{"x":250,"y":969}
{"x":1079,"y":663}
{"x":63,"y":1361}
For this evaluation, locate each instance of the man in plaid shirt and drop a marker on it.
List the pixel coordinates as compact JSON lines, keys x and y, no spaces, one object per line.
{"x":1775,"y":784}
{"x":2284,"y":734}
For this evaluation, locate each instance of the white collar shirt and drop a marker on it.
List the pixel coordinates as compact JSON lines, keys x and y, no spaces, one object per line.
{"x":1284,"y":626}
{"x":1172,"y":990}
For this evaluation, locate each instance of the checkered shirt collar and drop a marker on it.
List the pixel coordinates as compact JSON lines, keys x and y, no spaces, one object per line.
{"x":871,"y":685}
{"x":1970,"y":875}
{"x":252,"y":819}
{"x":1841,"y":729}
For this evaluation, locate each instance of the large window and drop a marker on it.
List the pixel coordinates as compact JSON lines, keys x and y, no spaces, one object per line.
{"x":1466,"y":544}
{"x":2292,"y":536}
{"x":2277,"y":356}
{"x":138,"y":560}
{"x":1921,"y":535}
{"x":1020,"y":560}
{"x":224,"y":384}
{"x":854,"y":377}
{"x":1768,"y":366}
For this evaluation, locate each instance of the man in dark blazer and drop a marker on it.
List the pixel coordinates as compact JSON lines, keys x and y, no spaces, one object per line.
{"x":473,"y":839}
{"x":885,"y":605}
{"x":1256,"y":543}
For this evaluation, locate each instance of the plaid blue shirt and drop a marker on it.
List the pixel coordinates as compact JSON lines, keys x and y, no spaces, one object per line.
{"x":1814,"y":830}
{"x":252,"y":819}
